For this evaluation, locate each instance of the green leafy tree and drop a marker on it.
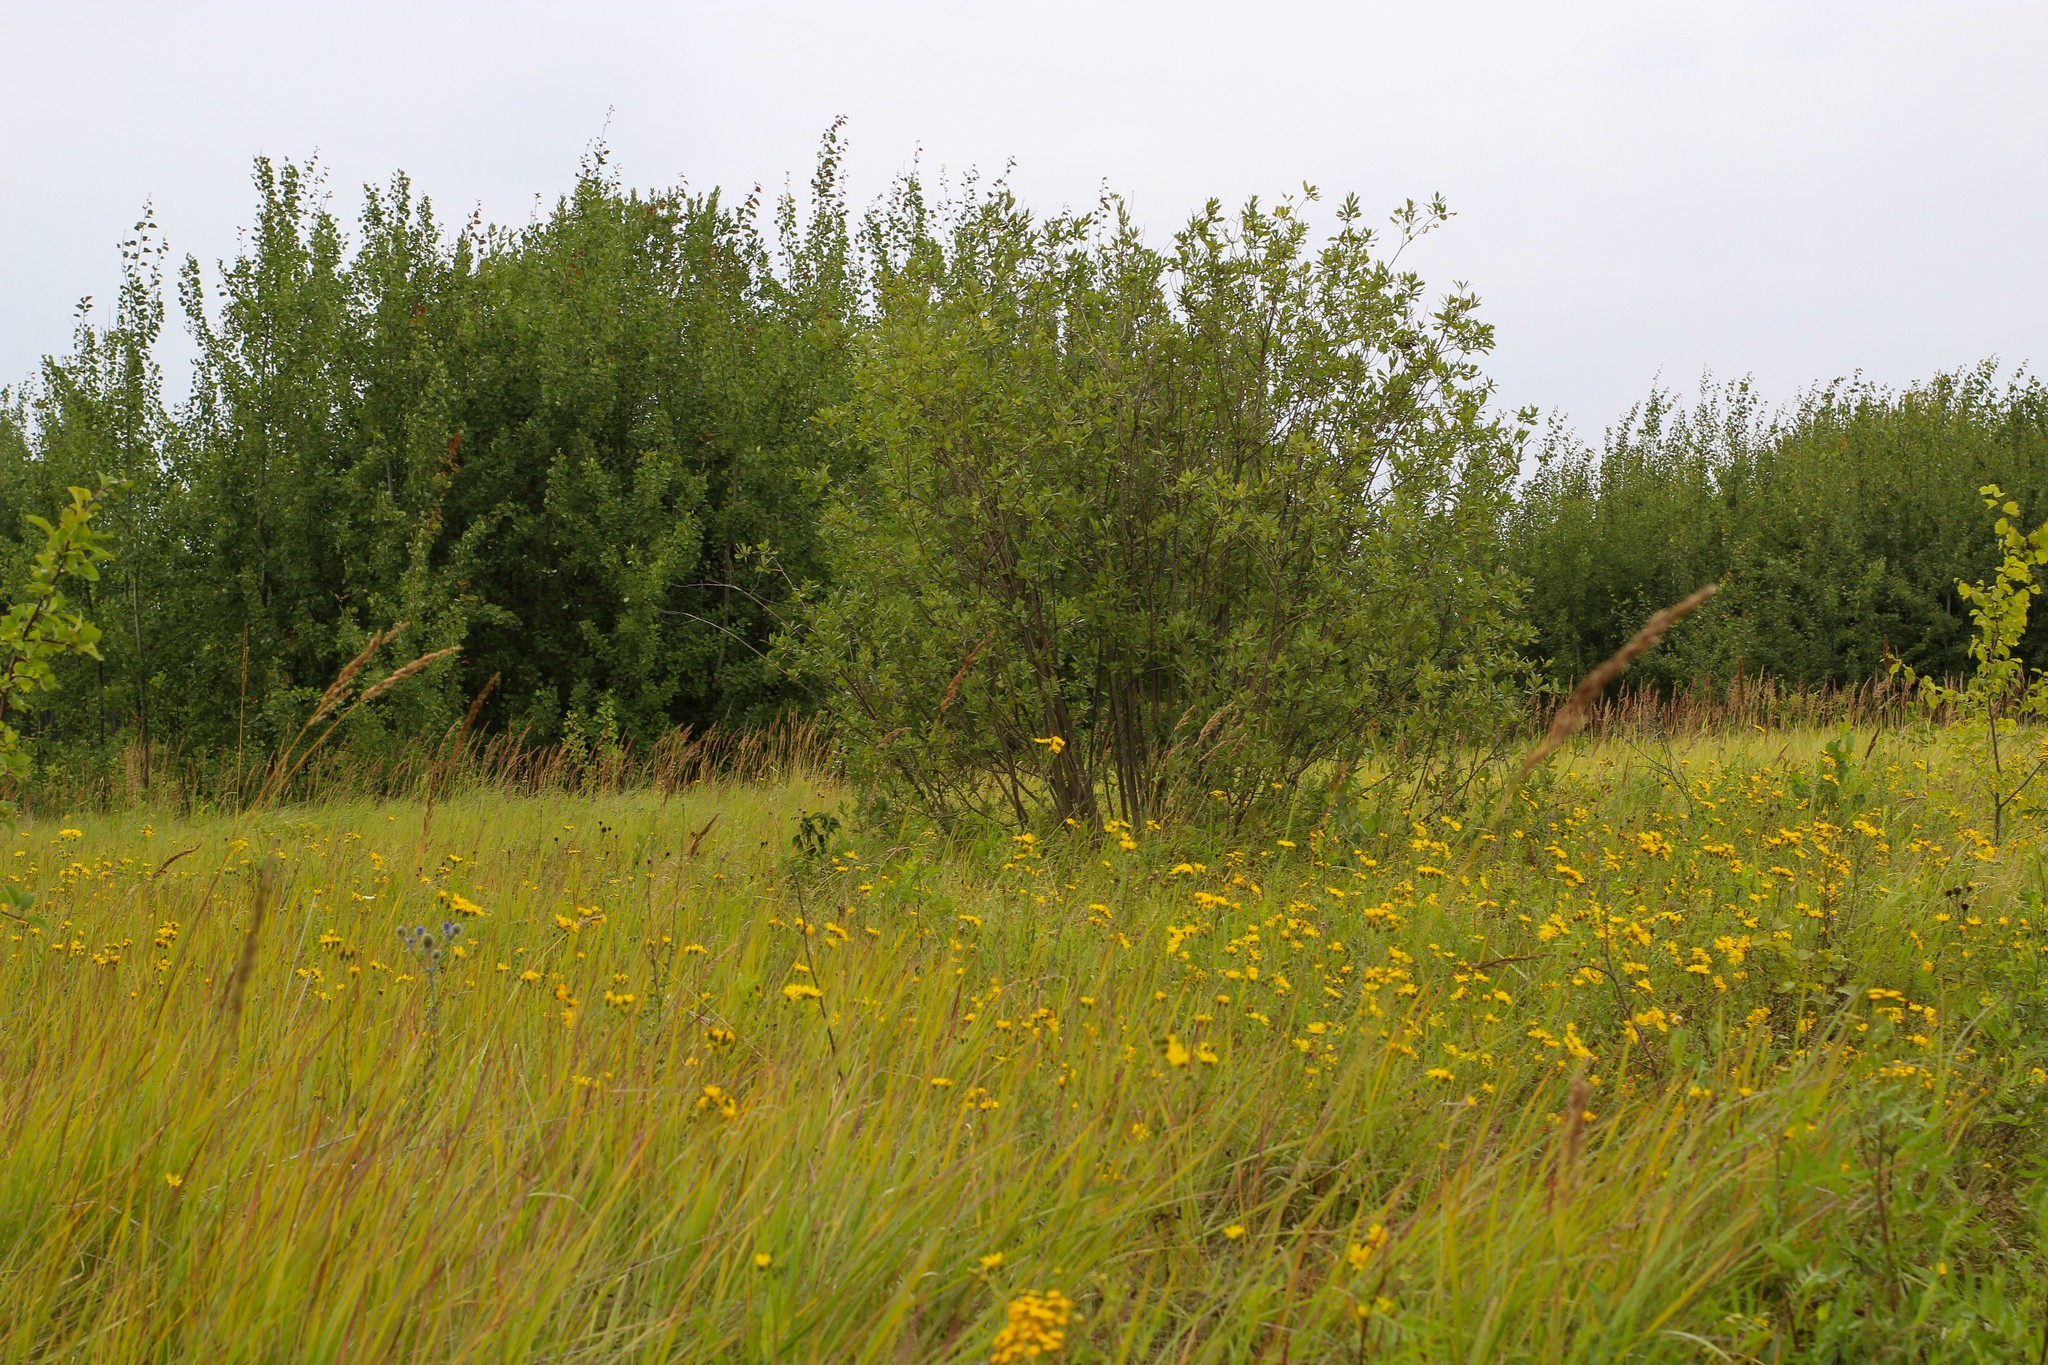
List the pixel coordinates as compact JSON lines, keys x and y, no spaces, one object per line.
{"x":264,"y":459}
{"x":635,"y":499}
{"x":99,"y":412}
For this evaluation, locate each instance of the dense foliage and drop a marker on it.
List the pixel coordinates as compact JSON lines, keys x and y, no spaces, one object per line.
{"x":38,"y":630}
{"x":1145,"y":527}
{"x":1209,"y":514}
{"x":576,"y":450}
{"x":1838,"y":528}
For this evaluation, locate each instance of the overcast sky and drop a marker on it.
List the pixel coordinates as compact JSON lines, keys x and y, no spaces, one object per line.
{"x":1790,"y":190}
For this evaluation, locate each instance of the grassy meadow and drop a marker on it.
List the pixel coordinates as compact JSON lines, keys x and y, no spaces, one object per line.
{"x":1730,"y":1049}
{"x":550,"y":984}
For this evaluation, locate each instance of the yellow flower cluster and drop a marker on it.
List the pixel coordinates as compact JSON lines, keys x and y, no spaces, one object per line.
{"x":1035,"y":1325}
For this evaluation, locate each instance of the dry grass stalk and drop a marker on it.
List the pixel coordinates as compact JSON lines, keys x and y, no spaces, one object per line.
{"x":338,"y":689}
{"x":451,"y":754}
{"x":259,"y":910}
{"x":1564,"y":1175}
{"x":404,"y":671}
{"x":1573,"y":713}
{"x":165,"y":864}
{"x":953,"y":687}
{"x":329,"y":700}
{"x":286,"y":768}
{"x":1743,"y":702}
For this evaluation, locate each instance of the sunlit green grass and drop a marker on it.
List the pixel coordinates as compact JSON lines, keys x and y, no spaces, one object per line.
{"x":1677,"y":1061}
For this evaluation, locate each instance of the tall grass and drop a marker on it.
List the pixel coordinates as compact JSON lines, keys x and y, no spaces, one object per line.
{"x":1728,"y":1050}
{"x":1707,"y":707}
{"x":162,"y":776}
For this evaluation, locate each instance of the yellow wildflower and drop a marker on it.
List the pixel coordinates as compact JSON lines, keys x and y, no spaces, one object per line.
{"x":1034,"y":1325}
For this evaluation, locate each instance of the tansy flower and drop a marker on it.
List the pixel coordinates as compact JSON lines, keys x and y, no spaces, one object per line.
{"x":1362,"y":1252}
{"x":1034,"y":1325}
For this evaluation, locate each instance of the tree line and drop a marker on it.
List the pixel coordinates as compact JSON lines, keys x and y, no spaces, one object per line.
{"x":1838,"y":527}
{"x":1104,"y":524}
{"x":584,"y":451}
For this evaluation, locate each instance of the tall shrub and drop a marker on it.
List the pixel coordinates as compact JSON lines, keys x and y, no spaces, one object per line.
{"x":1149,"y":528}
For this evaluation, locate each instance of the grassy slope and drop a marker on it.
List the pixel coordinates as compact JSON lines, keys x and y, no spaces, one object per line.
{"x":1395,"y":1093}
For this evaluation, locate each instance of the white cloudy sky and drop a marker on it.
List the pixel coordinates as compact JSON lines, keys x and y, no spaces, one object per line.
{"x":1795,"y":189}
